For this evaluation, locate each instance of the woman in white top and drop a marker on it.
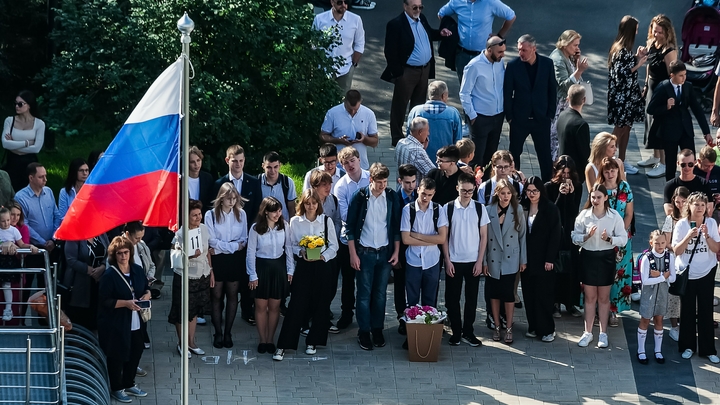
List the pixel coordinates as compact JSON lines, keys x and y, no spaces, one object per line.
{"x":673,"y":308}
{"x":227,"y":224}
{"x":200,"y":280}
{"x":269,"y":264}
{"x":310,"y":284}
{"x":23,"y":137}
{"x":698,"y":234}
{"x":78,"y":172}
{"x":598,"y":230}
{"x":604,"y":145}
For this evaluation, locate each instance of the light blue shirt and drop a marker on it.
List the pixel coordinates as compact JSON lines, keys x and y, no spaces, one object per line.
{"x":444,"y":122}
{"x":276,"y":191}
{"x":475,"y":20}
{"x":481,"y":90}
{"x":339,"y":122}
{"x":65,"y":200}
{"x":421,"y":53}
{"x":41,"y":214}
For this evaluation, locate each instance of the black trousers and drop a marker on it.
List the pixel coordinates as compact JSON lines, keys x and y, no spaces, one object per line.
{"x":539,"y":129}
{"x":247,"y":298}
{"x":538,"y":288}
{"x":122,"y":373}
{"x":671,"y":150}
{"x":698,"y":291}
{"x":485,"y":133}
{"x":399,"y":283}
{"x":453,"y":290}
{"x":16,"y":167}
{"x":410,"y":87}
{"x":309,"y":291}
{"x":567,"y":285}
{"x":347,"y":299}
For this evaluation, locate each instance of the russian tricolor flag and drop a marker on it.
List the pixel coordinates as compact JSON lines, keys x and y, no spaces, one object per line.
{"x":137,"y":177}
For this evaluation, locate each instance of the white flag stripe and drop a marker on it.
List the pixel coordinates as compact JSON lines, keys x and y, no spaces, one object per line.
{"x":162,"y":98}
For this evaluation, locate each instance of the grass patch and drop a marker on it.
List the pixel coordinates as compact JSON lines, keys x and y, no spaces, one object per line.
{"x":296,"y":172}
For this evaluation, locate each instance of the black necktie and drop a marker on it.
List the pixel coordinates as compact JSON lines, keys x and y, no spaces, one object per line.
{"x":677,"y":93}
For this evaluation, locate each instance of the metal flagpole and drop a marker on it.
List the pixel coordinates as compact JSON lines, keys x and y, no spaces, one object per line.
{"x":185,"y":25}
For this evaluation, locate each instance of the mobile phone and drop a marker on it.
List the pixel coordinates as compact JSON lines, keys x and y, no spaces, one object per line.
{"x":144,"y":304}
{"x":358,"y":135}
{"x":693,"y":224}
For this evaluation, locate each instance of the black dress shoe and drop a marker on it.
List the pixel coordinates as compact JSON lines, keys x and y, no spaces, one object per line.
{"x":659,"y":360}
{"x":402,"y":328}
{"x":344,"y":321}
{"x":377,"y":338}
{"x":518,"y":305}
{"x":262,"y":348}
{"x":365,"y":341}
{"x":217,"y":341}
{"x":642,"y":361}
{"x":270,"y":347}
{"x":227,"y":341}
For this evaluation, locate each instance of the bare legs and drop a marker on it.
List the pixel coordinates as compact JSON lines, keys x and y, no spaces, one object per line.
{"x":601,"y":297}
{"x":623,"y":137}
{"x":191,"y":333}
{"x":267,"y":315}
{"x":509,"y":310}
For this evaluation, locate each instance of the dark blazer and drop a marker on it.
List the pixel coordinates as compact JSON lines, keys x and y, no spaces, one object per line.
{"x":671,"y":124}
{"x":522,"y":100}
{"x":357,"y":211}
{"x":207,"y":185}
{"x":543,"y":240}
{"x":250,"y":190}
{"x":449,"y":45}
{"x":114,"y":323}
{"x":573,"y":136}
{"x":77,"y":257}
{"x":399,"y":44}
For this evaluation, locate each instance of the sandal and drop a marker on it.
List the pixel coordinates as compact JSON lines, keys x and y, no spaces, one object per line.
{"x":496,"y":334}
{"x":508,"y":336}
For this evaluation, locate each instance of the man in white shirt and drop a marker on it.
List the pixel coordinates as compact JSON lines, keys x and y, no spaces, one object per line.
{"x":275,"y":184}
{"x":463,"y":252}
{"x":347,"y":27}
{"x":423,"y":231}
{"x":481,"y":95}
{"x":373,"y":236}
{"x":328,"y":163}
{"x":355,"y":179}
{"x":411,"y":149}
{"x":247,"y":186}
{"x":351,"y":124}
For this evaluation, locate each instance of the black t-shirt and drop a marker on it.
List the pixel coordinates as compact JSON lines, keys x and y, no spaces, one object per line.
{"x":696,"y":184}
{"x":445,"y":187}
{"x":713,"y":179}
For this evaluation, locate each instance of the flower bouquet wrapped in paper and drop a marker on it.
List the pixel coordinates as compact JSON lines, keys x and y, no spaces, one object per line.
{"x":424,"y":314}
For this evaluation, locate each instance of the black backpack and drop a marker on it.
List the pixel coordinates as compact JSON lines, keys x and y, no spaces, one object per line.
{"x":451,"y":208}
{"x":436,"y":215}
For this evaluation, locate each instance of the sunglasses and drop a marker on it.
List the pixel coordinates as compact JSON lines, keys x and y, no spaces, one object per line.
{"x":690,"y":164}
{"x":497,"y":44}
{"x":338,"y":2}
{"x":416,"y":8}
{"x":20,"y":104}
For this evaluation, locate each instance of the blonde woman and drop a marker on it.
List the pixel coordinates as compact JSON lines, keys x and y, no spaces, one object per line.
{"x":604,"y":145}
{"x":227,"y":224}
{"x":569,"y":66}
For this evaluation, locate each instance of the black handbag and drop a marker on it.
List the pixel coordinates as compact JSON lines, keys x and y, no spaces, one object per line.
{"x":679,"y":286}
{"x":564,"y":262}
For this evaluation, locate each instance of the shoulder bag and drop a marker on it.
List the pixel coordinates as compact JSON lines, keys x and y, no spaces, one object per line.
{"x":681,"y":278}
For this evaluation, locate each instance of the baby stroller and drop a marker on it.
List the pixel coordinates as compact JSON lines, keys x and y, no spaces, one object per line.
{"x":701,"y":38}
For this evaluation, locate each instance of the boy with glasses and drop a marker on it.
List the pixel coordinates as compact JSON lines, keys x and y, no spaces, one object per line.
{"x":503,"y":168}
{"x":446,"y":175}
{"x":328,"y":164}
{"x":687,"y":178}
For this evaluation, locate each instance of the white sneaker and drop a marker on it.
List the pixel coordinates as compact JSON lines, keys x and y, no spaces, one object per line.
{"x":549,"y":338}
{"x":630,"y":169}
{"x":649,"y":162}
{"x":201,"y":321}
{"x":7,"y":314}
{"x":279,"y":355}
{"x":674,"y":333}
{"x":687,"y":354}
{"x":310,"y":350}
{"x":635,"y":297}
{"x":602,"y":340}
{"x":585,"y":340}
{"x":531,"y":334}
{"x":657,"y":171}
{"x":714,"y":359}
{"x":179,"y":349}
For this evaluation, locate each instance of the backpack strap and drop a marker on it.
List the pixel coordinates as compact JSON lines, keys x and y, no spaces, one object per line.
{"x":412,"y":215}
{"x":479,"y":211}
{"x":335,"y":199}
{"x":450,"y":210}
{"x":436,"y":215}
{"x":487,"y":191}
{"x":285,"y":184}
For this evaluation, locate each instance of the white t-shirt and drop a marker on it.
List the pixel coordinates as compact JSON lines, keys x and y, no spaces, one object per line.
{"x":422,"y":256}
{"x":704,"y":259}
{"x":10,"y":235}
{"x":194,"y":188}
{"x":464,"y":237}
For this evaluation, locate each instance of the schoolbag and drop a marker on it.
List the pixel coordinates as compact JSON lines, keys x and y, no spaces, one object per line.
{"x":488,"y":189}
{"x":285,"y":184}
{"x":451,"y":208}
{"x":436,"y":215}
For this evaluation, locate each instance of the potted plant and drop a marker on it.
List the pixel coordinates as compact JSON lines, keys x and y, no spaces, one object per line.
{"x":424,"y":332}
{"x":312,"y":245}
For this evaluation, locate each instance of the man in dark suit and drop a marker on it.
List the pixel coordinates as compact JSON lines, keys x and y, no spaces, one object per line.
{"x":530,"y":99}
{"x":573,"y":130}
{"x":410,"y":61}
{"x":248,"y":186}
{"x":669,"y":108}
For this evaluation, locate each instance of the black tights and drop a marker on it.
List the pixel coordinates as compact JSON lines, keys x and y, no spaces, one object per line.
{"x":224,"y":291}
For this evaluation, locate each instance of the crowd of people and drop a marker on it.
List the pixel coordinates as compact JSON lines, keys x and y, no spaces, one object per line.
{"x":461,"y":206}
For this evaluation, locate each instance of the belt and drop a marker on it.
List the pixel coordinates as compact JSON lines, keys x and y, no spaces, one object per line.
{"x":372,"y":250}
{"x":469,"y":52}
{"x":417,"y":67}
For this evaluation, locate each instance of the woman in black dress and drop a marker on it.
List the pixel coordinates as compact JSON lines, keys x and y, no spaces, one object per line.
{"x":625,"y":105}
{"x":661,"y":50}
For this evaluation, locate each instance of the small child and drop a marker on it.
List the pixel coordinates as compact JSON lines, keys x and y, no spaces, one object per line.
{"x":11,"y":240}
{"x":657,"y":270}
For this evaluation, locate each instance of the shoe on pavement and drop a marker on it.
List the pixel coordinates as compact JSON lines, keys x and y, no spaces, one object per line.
{"x":179,"y":349}
{"x":402,"y":328}
{"x":614,"y":322}
{"x":378,"y":339}
{"x":630,"y":169}
{"x":714,"y":359}
{"x":364,"y":5}
{"x":454,"y":339}
{"x":674,"y":334}
{"x":365,"y":341}
{"x":196,"y":350}
{"x":649,"y":162}
{"x":585,"y":339}
{"x":657,"y":171}
{"x":279,"y":354}
{"x":556,"y":313}
{"x":135,"y":391}
{"x":531,"y":334}
{"x":310,"y":350}
{"x":140,"y":372}
{"x":333,"y":329}
{"x":147,"y":346}
{"x":201,"y":321}
{"x":548,"y":338}
{"x":575,"y":312}
{"x":602,"y":340}
{"x":635,"y":297}
{"x":344,"y":321}
{"x":687,"y":354}
{"x":305,"y":332}
{"x":471,"y":340}
{"x":120,"y":396}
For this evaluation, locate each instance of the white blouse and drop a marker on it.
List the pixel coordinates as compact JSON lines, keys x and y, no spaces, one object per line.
{"x":19,"y":136}
{"x":228,"y":235}
{"x":612,"y":222}
{"x":270,"y":245}
{"x":300,"y":226}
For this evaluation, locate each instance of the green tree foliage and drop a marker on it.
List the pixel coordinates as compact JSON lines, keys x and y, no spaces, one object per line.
{"x":262,"y":79}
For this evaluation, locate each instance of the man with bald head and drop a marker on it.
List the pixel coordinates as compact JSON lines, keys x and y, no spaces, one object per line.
{"x":481,"y":95}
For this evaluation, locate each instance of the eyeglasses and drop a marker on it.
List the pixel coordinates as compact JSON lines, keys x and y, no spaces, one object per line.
{"x":416,"y":8}
{"x":20,"y":104}
{"x":466,"y":191}
{"x":497,"y":44}
{"x":502,"y":168}
{"x":532,"y":191}
{"x":443,"y":161}
{"x":329,"y":162}
{"x":122,"y":252}
{"x":689,"y":164}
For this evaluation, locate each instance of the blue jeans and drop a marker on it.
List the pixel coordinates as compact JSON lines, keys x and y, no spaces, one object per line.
{"x":423,"y":284}
{"x":372,"y":282}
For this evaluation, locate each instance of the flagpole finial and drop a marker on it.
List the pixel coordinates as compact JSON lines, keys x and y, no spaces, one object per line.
{"x":185,"y":25}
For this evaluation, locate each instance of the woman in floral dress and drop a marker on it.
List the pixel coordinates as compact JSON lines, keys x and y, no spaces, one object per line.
{"x":625,"y":103}
{"x":620,"y":198}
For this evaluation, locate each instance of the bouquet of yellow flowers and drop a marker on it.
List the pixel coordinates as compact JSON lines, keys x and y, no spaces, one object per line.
{"x":312,"y":241}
